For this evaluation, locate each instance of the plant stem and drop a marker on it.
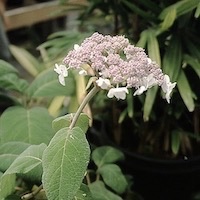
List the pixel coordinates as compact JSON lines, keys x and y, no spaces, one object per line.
{"x":88,"y":97}
{"x":32,"y":194}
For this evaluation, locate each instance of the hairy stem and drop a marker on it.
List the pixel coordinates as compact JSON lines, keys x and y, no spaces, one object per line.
{"x":88,"y":97}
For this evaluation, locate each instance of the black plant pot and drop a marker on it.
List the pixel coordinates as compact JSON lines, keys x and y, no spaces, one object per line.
{"x":156,"y":179}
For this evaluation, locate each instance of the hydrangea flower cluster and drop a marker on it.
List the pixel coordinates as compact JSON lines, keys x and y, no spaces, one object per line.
{"x":117,"y":65}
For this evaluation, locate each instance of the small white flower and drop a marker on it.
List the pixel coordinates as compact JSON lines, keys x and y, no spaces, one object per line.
{"x":147,"y":82}
{"x":103,"y":83}
{"x":167,"y":87}
{"x":83,"y":72}
{"x":62,"y":72}
{"x":76,"y":46}
{"x":119,"y":93}
{"x":140,"y":90}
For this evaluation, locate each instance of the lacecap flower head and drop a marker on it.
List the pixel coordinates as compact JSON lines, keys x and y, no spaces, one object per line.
{"x":118,"y":65}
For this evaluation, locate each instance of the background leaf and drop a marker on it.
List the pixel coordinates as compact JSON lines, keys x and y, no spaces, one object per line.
{"x":185,"y":91}
{"x":31,"y":126}
{"x":9,"y":152}
{"x":64,"y":163}
{"x":113,"y":177}
{"x":99,"y":192}
{"x":7,"y":184}
{"x":27,"y":161}
{"x":47,"y":84}
{"x":106,"y":154}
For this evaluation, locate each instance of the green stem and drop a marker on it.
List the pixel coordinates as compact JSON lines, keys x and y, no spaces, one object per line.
{"x":88,"y":97}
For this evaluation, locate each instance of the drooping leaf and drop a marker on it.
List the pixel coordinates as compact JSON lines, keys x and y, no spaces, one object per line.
{"x":100,"y":192}
{"x":149,"y":102}
{"x":64,"y":163}
{"x":27,"y":161}
{"x":194,"y":63}
{"x":31,"y":126}
{"x":7,"y":184}
{"x":169,"y":19}
{"x":173,"y":59}
{"x":47,"y":84}
{"x":65,"y":121}
{"x":113,"y":177}
{"x":186,"y":91}
{"x":197,"y":12}
{"x":106,"y":154}
{"x":9,"y":152}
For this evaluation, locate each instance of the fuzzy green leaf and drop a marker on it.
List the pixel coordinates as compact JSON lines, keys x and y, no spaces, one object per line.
{"x":113,"y":177}
{"x":31,"y":126}
{"x":47,"y":84}
{"x":64,"y":163}
{"x":99,"y":192}
{"x":65,"y":121}
{"x":106,"y":154}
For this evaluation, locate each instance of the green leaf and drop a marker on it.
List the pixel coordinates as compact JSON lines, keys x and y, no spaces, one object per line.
{"x":11,"y":81}
{"x":143,"y":39}
{"x":106,"y":154}
{"x":7,"y":184}
{"x":99,"y":192}
{"x":197,"y":12}
{"x":9,"y":152}
{"x":26,"y":60}
{"x":83,"y":193}
{"x":173,"y":59}
{"x":175,"y":142}
{"x":185,"y":91}
{"x":28,"y":160}
{"x":169,"y":19}
{"x":149,"y":102}
{"x":64,"y":163}
{"x":113,"y":177}
{"x":31,"y":126}
{"x":193,"y":62}
{"x":6,"y":68}
{"x":65,"y":121}
{"x":47,"y":84}
{"x":153,"y":47}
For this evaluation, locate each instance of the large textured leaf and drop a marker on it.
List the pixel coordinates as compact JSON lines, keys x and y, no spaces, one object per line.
{"x":28,"y":160}
{"x":7,"y":184}
{"x":65,"y":121}
{"x":64,"y":163}
{"x":99,"y":192}
{"x":9,"y":152}
{"x":106,"y":154}
{"x":113,"y":177}
{"x":47,"y":84}
{"x":185,"y":91}
{"x":31,"y":126}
